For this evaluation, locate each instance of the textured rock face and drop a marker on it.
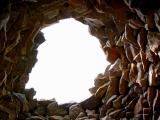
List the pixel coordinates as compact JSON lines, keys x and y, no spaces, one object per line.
{"x":129,"y":33}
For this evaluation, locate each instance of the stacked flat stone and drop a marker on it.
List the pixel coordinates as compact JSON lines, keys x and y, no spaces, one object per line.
{"x":129,"y":33}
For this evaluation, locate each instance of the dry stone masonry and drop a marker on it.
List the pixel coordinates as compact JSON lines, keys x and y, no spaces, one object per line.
{"x":129,"y":33}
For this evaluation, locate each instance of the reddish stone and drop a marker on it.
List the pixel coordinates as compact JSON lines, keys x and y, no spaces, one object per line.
{"x":137,"y":58}
{"x":133,"y":73}
{"x":129,"y":35}
{"x":115,"y":70}
{"x":112,"y":54}
{"x":144,"y":60}
{"x":153,"y":77}
{"x":135,"y":23}
{"x":140,"y":76}
{"x":128,"y":52}
{"x":149,"y":21}
{"x":76,"y":2}
{"x":141,"y":39}
{"x":151,"y":96}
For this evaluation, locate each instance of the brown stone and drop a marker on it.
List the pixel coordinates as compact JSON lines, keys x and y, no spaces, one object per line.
{"x":101,"y":90}
{"x":35,"y":118}
{"x":137,"y":58}
{"x":81,"y":115}
{"x":125,"y":74}
{"x":140,"y":15}
{"x":109,"y":103}
{"x":132,"y":104}
{"x":126,"y":100}
{"x":91,"y":114}
{"x":40,"y":110}
{"x":115,"y":113}
{"x":138,"y":89}
{"x":75,"y":110}
{"x":123,"y":86}
{"x":135,"y":23}
{"x":144,"y":60}
{"x":139,"y":106}
{"x":157,"y":20}
{"x":151,"y":96}
{"x":112,"y":54}
{"x":91,"y":103}
{"x":129,"y":114}
{"x":3,"y":77}
{"x":145,"y":103}
{"x":52,"y":108}
{"x":153,"y":41}
{"x":141,"y":39}
{"x":132,"y":93}
{"x":128,"y":52}
{"x":100,"y":80}
{"x":156,"y":104}
{"x":113,"y":87}
{"x":135,"y":52}
{"x":93,"y":90}
{"x":129,"y":34}
{"x":146,"y":117}
{"x":152,"y":77}
{"x":155,"y":115}
{"x":139,"y":116}
{"x":115,"y":69}
{"x":109,"y":110}
{"x":147,"y":111}
{"x":56,"y":117}
{"x":120,"y":41}
{"x":122,"y":114}
{"x":118,"y":102}
{"x":149,"y":21}
{"x":76,"y":3}
{"x":140,"y":76}
{"x":103,"y":111}
{"x":133,"y":73}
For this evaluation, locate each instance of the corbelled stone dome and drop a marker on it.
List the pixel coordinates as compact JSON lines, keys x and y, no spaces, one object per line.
{"x":129,"y":34}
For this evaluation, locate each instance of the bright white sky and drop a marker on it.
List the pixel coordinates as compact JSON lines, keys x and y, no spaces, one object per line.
{"x":68,"y":62}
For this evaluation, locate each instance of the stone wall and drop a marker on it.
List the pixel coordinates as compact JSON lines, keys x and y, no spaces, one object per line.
{"x":129,"y":33}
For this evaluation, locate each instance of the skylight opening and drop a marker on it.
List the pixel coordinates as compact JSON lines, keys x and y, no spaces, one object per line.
{"x":68,"y":62}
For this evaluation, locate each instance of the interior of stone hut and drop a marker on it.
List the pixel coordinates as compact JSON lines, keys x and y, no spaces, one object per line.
{"x":129,"y":34}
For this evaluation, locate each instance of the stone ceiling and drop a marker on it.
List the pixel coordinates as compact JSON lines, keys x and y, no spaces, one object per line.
{"x":129,"y":33}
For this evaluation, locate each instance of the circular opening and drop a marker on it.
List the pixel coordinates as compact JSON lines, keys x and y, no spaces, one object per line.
{"x":68,"y":62}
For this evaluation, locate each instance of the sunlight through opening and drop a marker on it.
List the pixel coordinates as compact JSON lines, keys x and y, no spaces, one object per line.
{"x":68,"y":62}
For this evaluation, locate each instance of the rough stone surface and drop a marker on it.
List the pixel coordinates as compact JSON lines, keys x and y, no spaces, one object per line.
{"x":129,"y":34}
